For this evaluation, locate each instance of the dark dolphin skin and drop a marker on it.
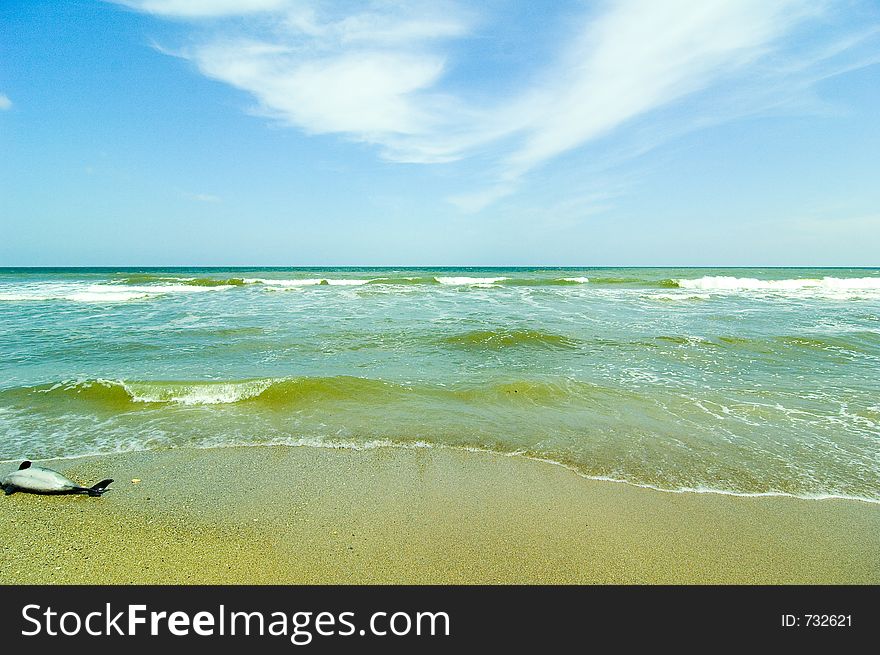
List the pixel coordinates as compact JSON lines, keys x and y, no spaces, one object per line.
{"x":34,"y":479}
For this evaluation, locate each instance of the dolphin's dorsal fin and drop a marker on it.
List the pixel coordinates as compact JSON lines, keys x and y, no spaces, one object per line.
{"x":24,"y":465}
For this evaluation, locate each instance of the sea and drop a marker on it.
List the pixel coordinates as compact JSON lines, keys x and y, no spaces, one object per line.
{"x":690,"y":380}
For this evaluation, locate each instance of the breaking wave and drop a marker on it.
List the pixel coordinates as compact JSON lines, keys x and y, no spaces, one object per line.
{"x":291,"y":392}
{"x":825,"y":284}
{"x":100,"y":293}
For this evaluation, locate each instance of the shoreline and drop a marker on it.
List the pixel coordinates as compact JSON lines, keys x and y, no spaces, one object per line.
{"x":299,"y":514}
{"x":419,"y":445}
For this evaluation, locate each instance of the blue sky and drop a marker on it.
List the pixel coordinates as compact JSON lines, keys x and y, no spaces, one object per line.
{"x":299,"y":132}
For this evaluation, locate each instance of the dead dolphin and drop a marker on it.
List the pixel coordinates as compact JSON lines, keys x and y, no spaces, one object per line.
{"x":34,"y":479}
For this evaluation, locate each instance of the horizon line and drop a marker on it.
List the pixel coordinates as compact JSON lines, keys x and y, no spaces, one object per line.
{"x":436,"y":266}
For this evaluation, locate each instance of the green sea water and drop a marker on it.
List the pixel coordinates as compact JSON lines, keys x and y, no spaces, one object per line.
{"x":747,"y":381}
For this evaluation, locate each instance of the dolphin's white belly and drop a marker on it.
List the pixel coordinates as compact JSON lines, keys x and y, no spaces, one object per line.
{"x":37,"y":478}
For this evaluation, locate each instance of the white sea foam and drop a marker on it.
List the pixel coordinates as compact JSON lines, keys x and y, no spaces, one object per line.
{"x":184,"y":393}
{"x":475,"y":281}
{"x":581,"y":280}
{"x":207,"y":393}
{"x":21,"y":296}
{"x":826,"y":284}
{"x":98,"y":292}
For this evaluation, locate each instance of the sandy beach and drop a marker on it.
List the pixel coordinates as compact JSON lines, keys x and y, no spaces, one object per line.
{"x":310,"y":515}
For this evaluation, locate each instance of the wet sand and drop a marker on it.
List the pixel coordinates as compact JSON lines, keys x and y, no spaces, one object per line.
{"x":276,"y":515}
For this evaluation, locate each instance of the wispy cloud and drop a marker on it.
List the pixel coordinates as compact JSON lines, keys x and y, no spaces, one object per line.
{"x":383,"y":73}
{"x":190,"y":9}
{"x":201,"y":197}
{"x":642,"y":55}
{"x":5,"y":102}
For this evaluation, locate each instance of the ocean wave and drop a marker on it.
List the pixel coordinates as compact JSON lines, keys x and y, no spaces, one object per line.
{"x":483,"y":282}
{"x":106,"y":414}
{"x":153,"y":282}
{"x":470,"y":281}
{"x":543,"y":282}
{"x":305,"y":282}
{"x":725,"y":283}
{"x":143,"y":278}
{"x":99,"y":293}
{"x":292,"y":392}
{"x":213,"y":282}
{"x":404,"y":280}
{"x":634,"y":282}
{"x":137,"y":279}
{"x":116,"y":393}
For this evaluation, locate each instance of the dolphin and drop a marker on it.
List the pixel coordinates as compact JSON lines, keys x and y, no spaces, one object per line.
{"x":34,"y":479}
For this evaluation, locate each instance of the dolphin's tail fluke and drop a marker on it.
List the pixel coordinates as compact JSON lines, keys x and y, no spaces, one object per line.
{"x":99,"y":488}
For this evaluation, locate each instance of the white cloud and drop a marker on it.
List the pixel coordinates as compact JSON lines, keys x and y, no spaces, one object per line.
{"x":379,"y":72}
{"x":5,"y":102}
{"x":366,"y":94}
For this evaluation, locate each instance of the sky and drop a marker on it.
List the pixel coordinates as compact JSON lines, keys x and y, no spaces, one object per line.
{"x":398,"y":132}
